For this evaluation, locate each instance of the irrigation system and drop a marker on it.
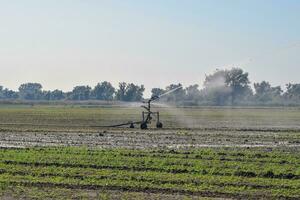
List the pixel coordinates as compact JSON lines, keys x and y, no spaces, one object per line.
{"x":147,"y":115}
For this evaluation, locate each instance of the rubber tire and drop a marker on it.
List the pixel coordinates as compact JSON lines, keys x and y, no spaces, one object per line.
{"x":159,"y":125}
{"x":144,"y":125}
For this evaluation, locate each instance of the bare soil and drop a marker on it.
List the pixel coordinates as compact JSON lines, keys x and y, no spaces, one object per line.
{"x":153,"y":138}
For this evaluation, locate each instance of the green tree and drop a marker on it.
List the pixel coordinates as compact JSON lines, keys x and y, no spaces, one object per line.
{"x":224,"y":86}
{"x":216,"y":90}
{"x":81,"y":93}
{"x":292,"y":92}
{"x":156,"y":91}
{"x":134,"y":92}
{"x":30,"y":91}
{"x":130,"y":92}
{"x":193,"y":94}
{"x":177,"y":96}
{"x":1,"y":92}
{"x":121,"y":92}
{"x":103,"y":91}
{"x":264,"y":92}
{"x":46,"y":95}
{"x":238,"y":81}
{"x":57,"y":95}
{"x":7,"y":94}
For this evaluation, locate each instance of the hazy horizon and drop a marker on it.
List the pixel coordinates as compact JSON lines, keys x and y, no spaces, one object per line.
{"x":61,"y":44}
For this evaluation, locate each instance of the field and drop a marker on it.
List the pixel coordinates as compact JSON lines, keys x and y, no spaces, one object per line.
{"x":64,"y":152}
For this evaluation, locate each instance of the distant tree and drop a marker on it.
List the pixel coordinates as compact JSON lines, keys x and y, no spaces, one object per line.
{"x":216,"y":96}
{"x":46,"y":95}
{"x":30,"y":91}
{"x":262,"y":88}
{"x":81,"y":93}
{"x":130,"y":92}
{"x":264,"y":92}
{"x":9,"y":94}
{"x":293,"y":92}
{"x":1,"y":92}
{"x":193,"y":94}
{"x":238,"y":81}
{"x":53,"y":95}
{"x":226,"y":85}
{"x":176,"y":96}
{"x":134,"y":92}
{"x":68,"y":95}
{"x":247,"y":97}
{"x":216,"y":90}
{"x":216,"y":79}
{"x":121,"y":92}
{"x":156,"y":91}
{"x":103,"y":91}
{"x":57,"y":95}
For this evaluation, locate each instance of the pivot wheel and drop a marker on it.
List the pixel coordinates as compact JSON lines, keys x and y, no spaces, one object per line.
{"x":159,"y":125}
{"x":131,"y":125}
{"x":144,"y":125}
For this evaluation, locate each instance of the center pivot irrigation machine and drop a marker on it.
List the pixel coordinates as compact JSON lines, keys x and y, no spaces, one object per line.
{"x":148,"y":114}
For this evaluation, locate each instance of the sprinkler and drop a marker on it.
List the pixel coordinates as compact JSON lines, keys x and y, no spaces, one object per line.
{"x":148,"y":114}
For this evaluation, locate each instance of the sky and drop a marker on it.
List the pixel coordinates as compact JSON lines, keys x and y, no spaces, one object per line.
{"x":63,"y":43}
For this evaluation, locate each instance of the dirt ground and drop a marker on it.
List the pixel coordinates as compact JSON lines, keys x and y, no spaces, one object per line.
{"x":153,"y":138}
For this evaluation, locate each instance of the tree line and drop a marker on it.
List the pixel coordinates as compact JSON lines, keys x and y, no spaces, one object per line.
{"x":221,"y":88}
{"x":102,"y":91}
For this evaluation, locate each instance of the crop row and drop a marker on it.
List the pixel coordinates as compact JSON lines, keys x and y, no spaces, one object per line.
{"x":142,"y":184}
{"x":208,"y":154}
{"x":145,"y":175}
{"x":163,"y":164}
{"x":180,"y":171}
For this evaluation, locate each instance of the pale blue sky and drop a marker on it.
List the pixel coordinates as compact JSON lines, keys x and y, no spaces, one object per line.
{"x":63,"y":43}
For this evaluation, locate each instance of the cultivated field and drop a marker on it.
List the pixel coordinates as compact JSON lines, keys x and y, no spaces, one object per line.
{"x":61,"y":152}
